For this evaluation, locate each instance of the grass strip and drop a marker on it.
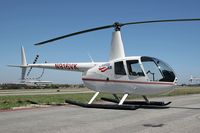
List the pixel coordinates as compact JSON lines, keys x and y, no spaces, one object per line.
{"x":8,"y":102}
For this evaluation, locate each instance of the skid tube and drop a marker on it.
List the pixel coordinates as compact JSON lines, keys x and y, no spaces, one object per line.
{"x":103,"y":106}
{"x":141,"y":104}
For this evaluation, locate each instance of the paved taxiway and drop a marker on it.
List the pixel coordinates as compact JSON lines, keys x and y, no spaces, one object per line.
{"x":182,"y":117}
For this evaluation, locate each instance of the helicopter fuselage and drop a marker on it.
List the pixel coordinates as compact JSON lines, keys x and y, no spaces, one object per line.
{"x":133,"y":75}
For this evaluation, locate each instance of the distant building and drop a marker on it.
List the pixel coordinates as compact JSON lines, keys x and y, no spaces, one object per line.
{"x":194,"y":80}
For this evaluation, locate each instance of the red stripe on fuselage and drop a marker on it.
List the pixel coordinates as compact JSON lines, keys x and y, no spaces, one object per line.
{"x":126,"y":81}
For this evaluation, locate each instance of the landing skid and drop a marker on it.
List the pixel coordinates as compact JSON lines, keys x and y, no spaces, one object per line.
{"x":121,"y":104}
{"x":156,"y":103}
{"x":103,"y":106}
{"x":142,"y":104}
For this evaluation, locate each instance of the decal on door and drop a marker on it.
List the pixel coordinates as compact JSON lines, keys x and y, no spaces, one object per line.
{"x":105,"y":67}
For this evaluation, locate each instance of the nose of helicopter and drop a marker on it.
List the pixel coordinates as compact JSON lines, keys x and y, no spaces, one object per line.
{"x":157,"y":70}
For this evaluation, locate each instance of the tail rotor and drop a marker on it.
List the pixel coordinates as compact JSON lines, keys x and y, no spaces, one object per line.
{"x":36,"y":59}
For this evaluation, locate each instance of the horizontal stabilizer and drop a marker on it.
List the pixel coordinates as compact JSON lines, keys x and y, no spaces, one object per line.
{"x":18,"y":66}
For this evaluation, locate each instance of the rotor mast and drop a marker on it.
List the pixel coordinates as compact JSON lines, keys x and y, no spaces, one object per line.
{"x":117,"y":47}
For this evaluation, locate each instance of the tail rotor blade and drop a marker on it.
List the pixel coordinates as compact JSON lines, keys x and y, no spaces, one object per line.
{"x":29,"y":71}
{"x":36,"y":58}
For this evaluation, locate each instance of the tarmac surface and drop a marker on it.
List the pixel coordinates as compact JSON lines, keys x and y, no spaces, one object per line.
{"x":183,"y":116}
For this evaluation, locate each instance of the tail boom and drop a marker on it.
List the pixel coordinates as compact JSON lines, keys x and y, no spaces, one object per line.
{"x":79,"y":67}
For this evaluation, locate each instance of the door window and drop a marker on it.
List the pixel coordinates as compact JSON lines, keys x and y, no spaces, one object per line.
{"x":119,"y":68}
{"x":134,"y":68}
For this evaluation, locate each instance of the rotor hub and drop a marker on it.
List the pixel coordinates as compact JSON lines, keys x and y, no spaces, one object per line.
{"x":117,"y":26}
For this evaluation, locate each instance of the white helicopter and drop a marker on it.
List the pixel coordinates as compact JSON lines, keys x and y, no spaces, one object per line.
{"x":140,"y":75}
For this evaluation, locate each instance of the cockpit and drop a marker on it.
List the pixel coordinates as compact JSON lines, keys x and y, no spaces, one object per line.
{"x":154,"y":69}
{"x":157,"y":70}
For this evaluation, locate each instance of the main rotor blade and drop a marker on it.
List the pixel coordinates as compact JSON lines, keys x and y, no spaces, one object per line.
{"x":161,"y":21}
{"x":117,"y":26}
{"x":75,"y":33}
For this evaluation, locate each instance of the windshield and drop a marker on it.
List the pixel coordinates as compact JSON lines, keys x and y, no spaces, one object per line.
{"x":157,"y":70}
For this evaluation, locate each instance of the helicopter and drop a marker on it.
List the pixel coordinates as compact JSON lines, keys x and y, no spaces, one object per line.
{"x":139,"y":75}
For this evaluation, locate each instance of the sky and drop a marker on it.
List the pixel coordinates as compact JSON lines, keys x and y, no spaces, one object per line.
{"x":25,"y":22}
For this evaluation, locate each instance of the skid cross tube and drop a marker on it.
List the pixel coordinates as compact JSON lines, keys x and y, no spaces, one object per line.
{"x":92,"y":99}
{"x":146,"y":99}
{"x":123,"y":99}
{"x":116,"y":97}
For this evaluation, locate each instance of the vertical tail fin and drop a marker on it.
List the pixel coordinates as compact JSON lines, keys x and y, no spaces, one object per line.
{"x":23,"y":57}
{"x":23,"y":63}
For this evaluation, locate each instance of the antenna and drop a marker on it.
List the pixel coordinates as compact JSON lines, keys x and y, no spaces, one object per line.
{"x":91,"y":58}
